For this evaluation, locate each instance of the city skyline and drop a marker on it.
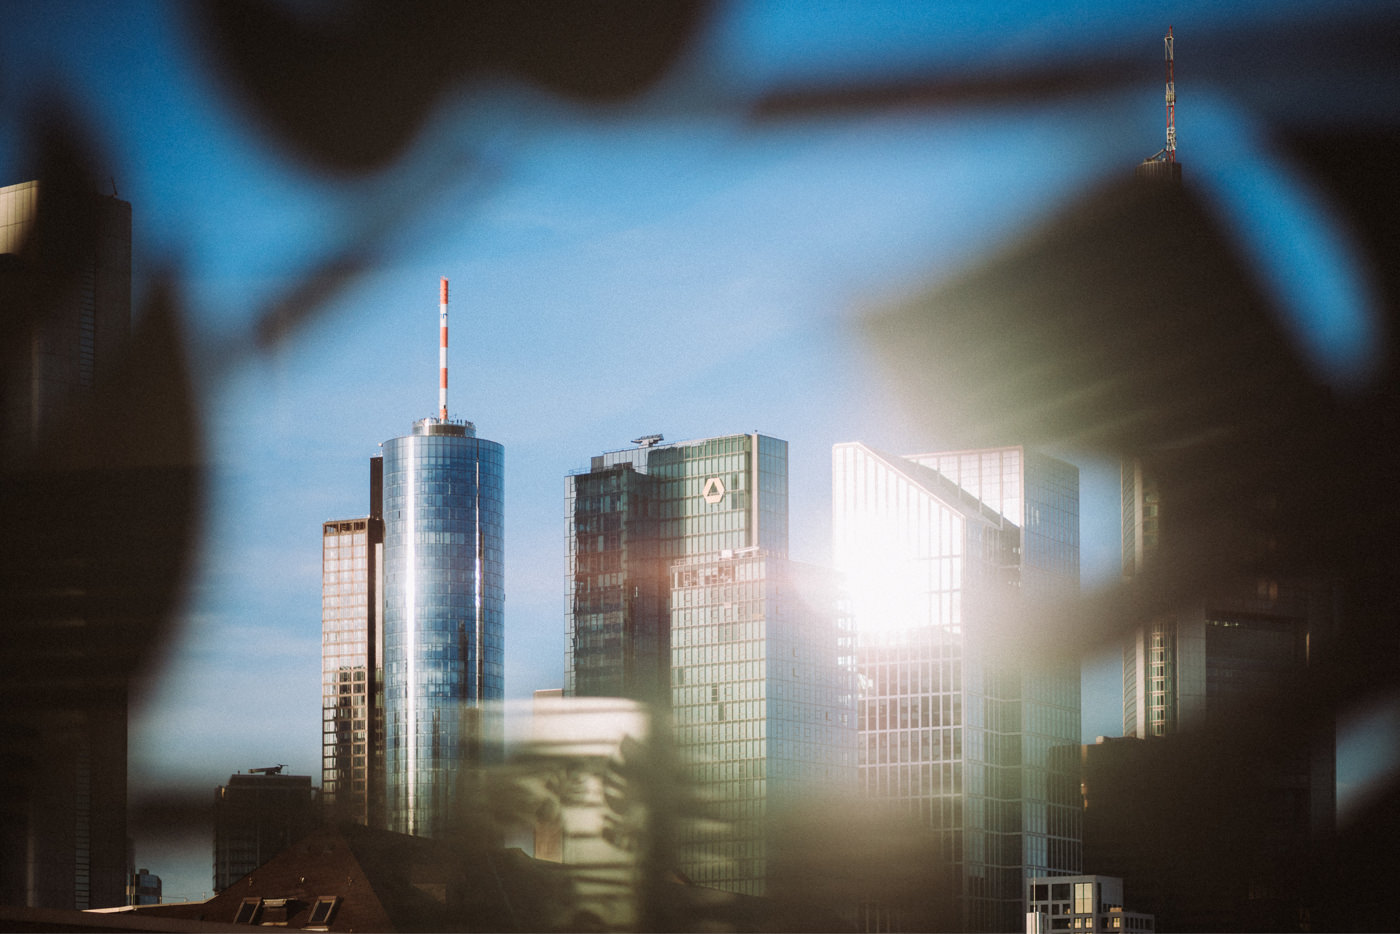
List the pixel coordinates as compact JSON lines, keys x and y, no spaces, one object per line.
{"x":612,"y":277}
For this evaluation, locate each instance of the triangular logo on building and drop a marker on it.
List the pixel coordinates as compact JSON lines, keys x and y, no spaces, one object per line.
{"x":714,"y":490}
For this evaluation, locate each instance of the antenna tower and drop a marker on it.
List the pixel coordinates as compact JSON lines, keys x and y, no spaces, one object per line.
{"x":1171,"y":99}
{"x":442,"y":353}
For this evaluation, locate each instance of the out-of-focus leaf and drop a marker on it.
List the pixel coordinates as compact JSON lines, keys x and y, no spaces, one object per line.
{"x":44,"y":272}
{"x":1124,"y":324}
{"x":101,"y":525}
{"x":349,"y":90}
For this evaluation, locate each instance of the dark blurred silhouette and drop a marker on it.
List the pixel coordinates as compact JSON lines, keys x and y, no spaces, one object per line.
{"x":99,"y":487}
{"x":1132,"y":324}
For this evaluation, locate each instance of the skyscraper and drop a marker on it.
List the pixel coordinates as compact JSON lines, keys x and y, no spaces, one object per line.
{"x":681,"y":594}
{"x":952,"y":730}
{"x":1239,"y":644}
{"x":444,"y":614}
{"x":256,"y":816}
{"x":1202,"y":684}
{"x":763,"y":702}
{"x":78,"y":606}
{"x":632,"y":515}
{"x":70,"y":347}
{"x":352,"y":663}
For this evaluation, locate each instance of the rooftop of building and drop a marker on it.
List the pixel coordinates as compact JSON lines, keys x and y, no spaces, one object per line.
{"x":352,"y":878}
{"x":950,"y":493}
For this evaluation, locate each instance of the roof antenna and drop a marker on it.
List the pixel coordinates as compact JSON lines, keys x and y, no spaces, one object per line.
{"x":442,"y":353}
{"x":1171,"y":97}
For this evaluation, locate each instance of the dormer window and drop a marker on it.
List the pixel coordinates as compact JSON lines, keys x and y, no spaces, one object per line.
{"x":249,"y":912}
{"x":275,"y":911}
{"x":323,"y":911}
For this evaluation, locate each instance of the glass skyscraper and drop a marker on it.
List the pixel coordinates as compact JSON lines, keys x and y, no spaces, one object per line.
{"x":953,"y":732}
{"x":763,"y":702}
{"x":352,"y":669}
{"x":444,"y":628}
{"x":629,"y":518}
{"x":681,"y":594}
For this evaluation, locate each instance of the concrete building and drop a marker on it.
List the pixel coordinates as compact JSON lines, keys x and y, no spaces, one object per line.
{"x":1080,"y":903}
{"x":256,"y":816}
{"x":144,"y":889}
{"x":955,"y":730}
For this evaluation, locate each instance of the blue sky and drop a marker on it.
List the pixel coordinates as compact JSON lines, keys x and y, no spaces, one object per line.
{"x":671,"y":268}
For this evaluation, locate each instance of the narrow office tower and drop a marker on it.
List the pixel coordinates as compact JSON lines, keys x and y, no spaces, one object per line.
{"x":352,"y":663}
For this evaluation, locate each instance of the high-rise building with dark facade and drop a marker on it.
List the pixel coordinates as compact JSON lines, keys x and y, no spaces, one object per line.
{"x":444,"y":615}
{"x":69,"y":348}
{"x":83,"y":579}
{"x":1201,"y":682}
{"x":953,"y":731}
{"x":632,"y":515}
{"x":352,"y":663}
{"x":1238,"y":644}
{"x":256,"y":816}
{"x":763,"y":702}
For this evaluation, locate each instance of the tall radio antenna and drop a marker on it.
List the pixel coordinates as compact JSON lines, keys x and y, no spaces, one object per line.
{"x":1171,"y":98}
{"x":442,"y":352}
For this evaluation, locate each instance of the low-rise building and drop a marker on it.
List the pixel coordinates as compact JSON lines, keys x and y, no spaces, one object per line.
{"x":1080,"y":903}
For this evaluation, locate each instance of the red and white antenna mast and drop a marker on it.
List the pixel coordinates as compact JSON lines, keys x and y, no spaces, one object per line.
{"x":1171,"y":99}
{"x":442,"y":353}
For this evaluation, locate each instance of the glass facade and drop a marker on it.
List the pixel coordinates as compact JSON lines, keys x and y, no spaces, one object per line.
{"x":959,"y":738}
{"x":444,"y":629}
{"x":680,"y":594}
{"x":633,"y":514}
{"x":352,"y":693}
{"x":763,"y":682}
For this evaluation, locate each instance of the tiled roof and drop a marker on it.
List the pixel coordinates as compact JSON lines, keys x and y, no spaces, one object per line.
{"x":381,"y":881}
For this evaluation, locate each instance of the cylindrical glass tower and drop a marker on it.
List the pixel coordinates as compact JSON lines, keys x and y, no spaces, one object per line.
{"x":444,"y":627}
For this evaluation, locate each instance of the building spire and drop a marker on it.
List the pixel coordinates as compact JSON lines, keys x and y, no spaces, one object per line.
{"x":1171,"y":96}
{"x":442,"y":352}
